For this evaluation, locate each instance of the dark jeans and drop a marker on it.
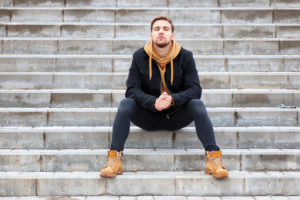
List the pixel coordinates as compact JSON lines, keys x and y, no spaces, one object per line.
{"x":130,"y":110}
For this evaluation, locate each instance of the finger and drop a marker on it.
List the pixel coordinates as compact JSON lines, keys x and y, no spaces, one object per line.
{"x":161,"y":96}
{"x":161,"y":108}
{"x":158,"y":107}
{"x":168,"y":98}
{"x":164,"y":98}
{"x":166,"y":105}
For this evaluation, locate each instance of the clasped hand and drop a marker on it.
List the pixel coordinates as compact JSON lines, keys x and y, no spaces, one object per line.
{"x":164,"y":101}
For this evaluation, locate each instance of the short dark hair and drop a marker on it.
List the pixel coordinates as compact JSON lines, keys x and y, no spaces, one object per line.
{"x":162,"y":18}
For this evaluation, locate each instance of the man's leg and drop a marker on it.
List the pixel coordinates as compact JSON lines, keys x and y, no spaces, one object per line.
{"x":121,"y":123}
{"x":204,"y":128}
{"x":196,"y":110}
{"x":120,"y":132}
{"x":128,"y":111}
{"x":203,"y":125}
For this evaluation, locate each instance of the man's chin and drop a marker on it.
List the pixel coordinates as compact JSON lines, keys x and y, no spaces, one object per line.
{"x":162,"y":45}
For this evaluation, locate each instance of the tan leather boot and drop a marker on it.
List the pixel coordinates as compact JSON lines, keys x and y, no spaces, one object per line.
{"x":214,"y":165}
{"x":113,"y":164}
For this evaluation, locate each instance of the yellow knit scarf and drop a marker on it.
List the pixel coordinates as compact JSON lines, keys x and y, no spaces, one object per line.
{"x":162,"y":62}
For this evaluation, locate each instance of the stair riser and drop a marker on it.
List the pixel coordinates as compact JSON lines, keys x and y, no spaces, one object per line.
{"x":148,"y":140}
{"x":204,"y":47}
{"x":147,"y":162}
{"x":128,"y":16}
{"x":93,"y":100}
{"x":105,"y":118}
{"x":4,"y":3}
{"x":87,"y":64}
{"x":38,"y":3}
{"x":118,"y":81}
{"x":61,"y":3}
{"x":255,"y":184}
{"x":142,"y":31}
{"x":149,"y":197}
{"x":62,"y":65}
{"x":156,"y":3}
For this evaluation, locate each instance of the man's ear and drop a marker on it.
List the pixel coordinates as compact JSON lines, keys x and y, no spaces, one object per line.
{"x":173,"y":36}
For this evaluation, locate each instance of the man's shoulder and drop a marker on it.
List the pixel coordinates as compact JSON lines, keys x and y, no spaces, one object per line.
{"x":185,"y":52}
{"x":139,"y":53}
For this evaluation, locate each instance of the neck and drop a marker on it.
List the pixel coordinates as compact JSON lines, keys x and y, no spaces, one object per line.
{"x":163,"y":52}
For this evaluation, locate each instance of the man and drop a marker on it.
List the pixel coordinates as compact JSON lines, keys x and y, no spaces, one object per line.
{"x":163,"y":93}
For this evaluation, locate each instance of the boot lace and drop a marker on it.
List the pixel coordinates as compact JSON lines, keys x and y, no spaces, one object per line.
{"x":110,"y":162}
{"x":218,"y":162}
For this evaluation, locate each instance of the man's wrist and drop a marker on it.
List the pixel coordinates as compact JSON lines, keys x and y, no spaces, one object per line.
{"x":172,"y":102}
{"x":153,"y":108}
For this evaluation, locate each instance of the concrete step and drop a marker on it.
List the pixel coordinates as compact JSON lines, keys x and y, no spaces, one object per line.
{"x":80,"y":98}
{"x":121,"y":63}
{"x":145,"y":197}
{"x":115,"y":80}
{"x":129,"y":14}
{"x":63,"y":3}
{"x":267,"y":46}
{"x":156,"y":3}
{"x":220,"y":117}
{"x":112,"y":30}
{"x":174,"y":183}
{"x":147,"y":160}
{"x":186,"y":138}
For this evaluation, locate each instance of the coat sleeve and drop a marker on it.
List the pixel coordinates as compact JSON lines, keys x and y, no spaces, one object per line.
{"x":134,"y":89}
{"x":191,"y":83}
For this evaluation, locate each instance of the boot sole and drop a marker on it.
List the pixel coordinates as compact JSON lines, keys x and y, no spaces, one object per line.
{"x":215,"y":176}
{"x":111,"y":175}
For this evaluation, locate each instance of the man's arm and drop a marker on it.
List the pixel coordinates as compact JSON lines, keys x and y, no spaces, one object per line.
{"x":192,"y":88}
{"x":134,"y":90}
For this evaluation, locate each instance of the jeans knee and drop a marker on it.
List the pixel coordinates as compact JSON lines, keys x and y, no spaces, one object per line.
{"x":196,"y":103}
{"x":197,"y":107}
{"x":127,"y":105}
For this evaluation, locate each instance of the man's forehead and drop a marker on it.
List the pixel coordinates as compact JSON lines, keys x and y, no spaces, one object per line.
{"x":160,"y":23}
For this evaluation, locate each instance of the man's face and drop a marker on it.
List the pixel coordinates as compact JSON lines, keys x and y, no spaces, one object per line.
{"x":161,"y":34}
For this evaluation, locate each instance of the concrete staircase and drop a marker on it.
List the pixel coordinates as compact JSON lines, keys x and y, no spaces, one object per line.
{"x":63,"y":65}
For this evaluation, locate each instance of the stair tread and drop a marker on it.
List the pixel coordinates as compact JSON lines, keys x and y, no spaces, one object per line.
{"x":126,"y":73}
{"x":145,"y":151}
{"x":114,"y":109}
{"x":137,"y":129}
{"x":154,"y":197}
{"x":141,"y":39}
{"x":149,"y":8}
{"x":146,"y":24}
{"x":130,"y":56}
{"x":148,"y":174}
{"x":105,"y":91}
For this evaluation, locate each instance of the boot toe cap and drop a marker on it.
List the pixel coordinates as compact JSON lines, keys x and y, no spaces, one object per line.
{"x":221,"y":173}
{"x":107,"y":172}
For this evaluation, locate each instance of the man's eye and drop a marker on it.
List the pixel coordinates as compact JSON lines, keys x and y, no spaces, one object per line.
{"x":166,"y":28}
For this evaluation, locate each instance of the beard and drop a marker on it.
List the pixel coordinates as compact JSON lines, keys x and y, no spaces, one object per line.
{"x":162,"y":45}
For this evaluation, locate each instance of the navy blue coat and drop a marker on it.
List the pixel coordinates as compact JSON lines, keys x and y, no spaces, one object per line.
{"x":186,"y":84}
